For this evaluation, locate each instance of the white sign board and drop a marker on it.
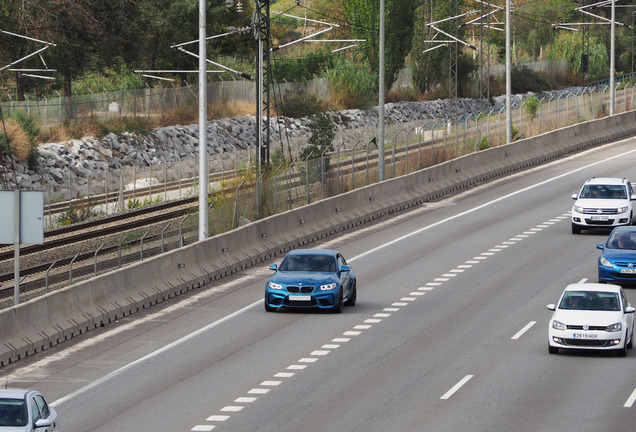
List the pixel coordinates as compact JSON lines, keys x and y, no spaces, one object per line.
{"x":31,"y":217}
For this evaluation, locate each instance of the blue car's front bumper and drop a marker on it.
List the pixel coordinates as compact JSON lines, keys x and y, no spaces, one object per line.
{"x":616,"y":274}
{"x":282,"y":298}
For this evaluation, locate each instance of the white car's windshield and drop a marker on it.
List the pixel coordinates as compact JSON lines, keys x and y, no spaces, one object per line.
{"x":604,"y":192}
{"x":590,"y":300}
{"x":12,"y":412}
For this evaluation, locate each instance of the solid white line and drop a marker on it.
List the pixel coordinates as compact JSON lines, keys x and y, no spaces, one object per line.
{"x":630,"y":400}
{"x":456,"y":387}
{"x":523,"y":330}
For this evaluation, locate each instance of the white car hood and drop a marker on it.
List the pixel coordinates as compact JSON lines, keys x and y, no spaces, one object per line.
{"x":13,"y":428}
{"x":601,"y":203}
{"x":591,"y":318}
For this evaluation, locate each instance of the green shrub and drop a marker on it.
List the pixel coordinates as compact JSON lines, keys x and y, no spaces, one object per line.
{"x":352,"y":84}
{"x":532,"y":106}
{"x":298,"y":105}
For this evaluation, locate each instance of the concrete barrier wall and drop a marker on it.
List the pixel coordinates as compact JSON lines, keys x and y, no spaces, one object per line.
{"x":48,"y":320}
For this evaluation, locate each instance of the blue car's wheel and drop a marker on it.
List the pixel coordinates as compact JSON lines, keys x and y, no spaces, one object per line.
{"x":352,"y":299}
{"x":337,"y":308}
{"x":268,"y":308}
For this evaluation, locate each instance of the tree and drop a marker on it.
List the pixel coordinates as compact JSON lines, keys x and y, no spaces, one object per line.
{"x":89,"y":34}
{"x":364,"y":17}
{"x":320,"y":141}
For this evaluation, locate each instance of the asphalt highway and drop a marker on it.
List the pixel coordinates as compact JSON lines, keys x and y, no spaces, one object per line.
{"x":449,"y":332}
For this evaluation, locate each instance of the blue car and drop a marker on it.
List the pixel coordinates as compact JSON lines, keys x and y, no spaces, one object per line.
{"x":617,"y":263}
{"x":311,"y":278}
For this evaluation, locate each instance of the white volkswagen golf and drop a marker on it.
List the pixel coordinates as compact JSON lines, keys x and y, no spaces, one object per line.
{"x":592,"y":316}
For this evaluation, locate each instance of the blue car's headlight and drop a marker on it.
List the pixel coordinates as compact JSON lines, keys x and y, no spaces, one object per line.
{"x":274,"y":285}
{"x":328,"y":287}
{"x":558,"y":325}
{"x":614,"y":327}
{"x":605,"y":262}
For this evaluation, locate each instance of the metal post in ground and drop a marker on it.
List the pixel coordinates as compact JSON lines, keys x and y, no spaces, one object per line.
{"x":96,"y":252}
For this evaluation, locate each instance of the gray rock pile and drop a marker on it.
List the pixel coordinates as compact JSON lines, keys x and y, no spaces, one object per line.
{"x":95,"y":159}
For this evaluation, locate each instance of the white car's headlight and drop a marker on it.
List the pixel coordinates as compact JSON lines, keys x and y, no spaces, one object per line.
{"x":558,"y":325}
{"x":606,"y":262}
{"x":623,"y":209}
{"x":614,"y":327}
{"x":578,"y":209}
{"x":274,"y":285}
{"x":328,"y":287}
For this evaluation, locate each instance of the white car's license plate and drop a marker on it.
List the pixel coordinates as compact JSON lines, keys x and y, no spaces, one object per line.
{"x":629,"y":271}
{"x":300,"y":297}
{"x":585,"y":336}
{"x":599,"y":218}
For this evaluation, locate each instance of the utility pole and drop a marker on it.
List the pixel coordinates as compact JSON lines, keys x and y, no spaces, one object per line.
{"x":203,"y":129}
{"x":262,"y":34}
{"x":452,"y":64}
{"x":612,"y":61}
{"x":381,"y":98}
{"x":508,"y":76}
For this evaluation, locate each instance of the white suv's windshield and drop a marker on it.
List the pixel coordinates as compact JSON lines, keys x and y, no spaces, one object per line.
{"x":604,"y":192}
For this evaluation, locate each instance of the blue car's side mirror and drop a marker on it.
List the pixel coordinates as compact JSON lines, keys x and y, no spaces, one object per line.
{"x":345,"y":268}
{"x":600,"y":246}
{"x":273,"y":267}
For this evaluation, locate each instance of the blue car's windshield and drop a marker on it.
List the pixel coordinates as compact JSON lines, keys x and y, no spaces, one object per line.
{"x":622,"y":240}
{"x":315,"y":263}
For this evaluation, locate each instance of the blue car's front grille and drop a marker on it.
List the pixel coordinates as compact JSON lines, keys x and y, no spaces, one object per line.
{"x":626,"y":264}
{"x":623,"y":275}
{"x":302,"y":290}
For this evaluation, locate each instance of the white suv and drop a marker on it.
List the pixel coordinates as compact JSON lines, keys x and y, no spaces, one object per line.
{"x":603,"y":202}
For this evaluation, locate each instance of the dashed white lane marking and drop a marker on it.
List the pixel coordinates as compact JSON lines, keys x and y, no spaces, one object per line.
{"x":630,"y":400}
{"x":284,"y":375}
{"x":218,"y":418}
{"x":244,"y":399}
{"x":232,"y":408}
{"x":259,"y":391}
{"x":523,"y":330}
{"x":203,"y":428}
{"x":296,"y":367}
{"x":456,"y":387}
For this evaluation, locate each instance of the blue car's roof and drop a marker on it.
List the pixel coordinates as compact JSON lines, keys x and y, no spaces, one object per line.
{"x":313,"y":252}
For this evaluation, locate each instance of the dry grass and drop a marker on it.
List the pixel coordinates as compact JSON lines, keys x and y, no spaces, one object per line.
{"x":18,"y":139}
{"x":88,"y":127}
